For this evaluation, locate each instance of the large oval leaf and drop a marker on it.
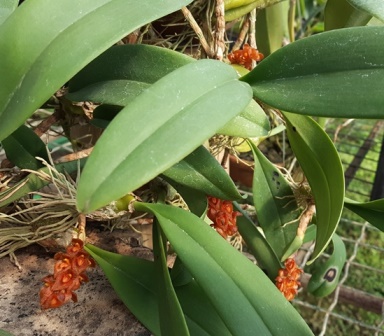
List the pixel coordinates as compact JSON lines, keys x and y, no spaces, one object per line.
{"x":159,"y":128}
{"x":80,"y":30}
{"x":323,"y":169}
{"x":372,"y":212}
{"x":201,"y":171}
{"x":227,"y":277}
{"x":333,"y":74}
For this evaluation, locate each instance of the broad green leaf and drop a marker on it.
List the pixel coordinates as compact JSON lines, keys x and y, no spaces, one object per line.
{"x":134,"y":280}
{"x":322,"y":167}
{"x":80,"y":30}
{"x":32,"y":182}
{"x":172,"y":321}
{"x":201,"y":171}
{"x":159,"y":128}
{"x":23,"y":146}
{"x":373,"y":7}
{"x":258,"y":245}
{"x":326,"y":275}
{"x":227,"y":277}
{"x":306,"y":76}
{"x":6,"y":9}
{"x":179,"y":274}
{"x":114,"y":92}
{"x":272,"y":27}
{"x":130,"y":62}
{"x":251,"y":122}
{"x":372,"y":212}
{"x":275,"y":204}
{"x":340,"y":14}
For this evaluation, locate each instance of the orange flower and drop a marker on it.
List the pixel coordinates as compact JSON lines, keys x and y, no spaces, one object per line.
{"x":246,"y":56}
{"x":221,"y":213}
{"x":288,"y":279}
{"x":69,"y":274}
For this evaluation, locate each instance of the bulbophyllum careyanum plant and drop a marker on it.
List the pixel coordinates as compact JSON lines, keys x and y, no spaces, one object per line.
{"x":157,"y":108}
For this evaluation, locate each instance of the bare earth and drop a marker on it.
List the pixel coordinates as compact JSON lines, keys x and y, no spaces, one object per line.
{"x":98,"y":311}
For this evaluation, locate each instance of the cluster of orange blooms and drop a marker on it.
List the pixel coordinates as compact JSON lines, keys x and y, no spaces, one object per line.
{"x":245,"y":56}
{"x":288,"y":279}
{"x":221,"y":213}
{"x":68,"y":275}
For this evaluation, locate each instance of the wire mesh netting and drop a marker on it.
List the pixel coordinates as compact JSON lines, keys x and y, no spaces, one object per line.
{"x":357,"y":305}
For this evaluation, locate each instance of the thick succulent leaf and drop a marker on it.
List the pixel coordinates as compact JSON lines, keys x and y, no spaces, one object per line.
{"x":80,"y":30}
{"x":114,"y":92}
{"x":159,"y":128}
{"x":6,"y":9}
{"x":32,"y":182}
{"x":134,"y":280}
{"x":252,"y":122}
{"x":372,"y":212}
{"x":258,"y":245}
{"x":133,"y":62}
{"x":341,"y":14}
{"x":326,"y":275}
{"x":172,"y":321}
{"x":201,"y":171}
{"x":227,"y":277}
{"x":322,"y":167}
{"x":373,"y":7}
{"x":275,"y":204}
{"x":333,"y":74}
{"x":23,"y":146}
{"x":235,"y":9}
{"x":103,"y":114}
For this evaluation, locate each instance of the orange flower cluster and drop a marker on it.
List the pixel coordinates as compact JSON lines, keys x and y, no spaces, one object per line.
{"x":246,"y":56}
{"x":221,"y":213}
{"x":69,"y":274}
{"x":288,"y":279}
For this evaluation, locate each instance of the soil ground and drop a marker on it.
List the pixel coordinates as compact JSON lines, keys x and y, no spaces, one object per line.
{"x":98,"y":311}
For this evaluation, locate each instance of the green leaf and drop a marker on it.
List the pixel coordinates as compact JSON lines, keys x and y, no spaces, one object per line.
{"x":134,"y":280}
{"x":6,"y":9}
{"x":306,"y":76}
{"x":168,"y":121}
{"x":201,"y":171}
{"x":22,"y":147}
{"x":114,"y":92}
{"x":373,"y":7}
{"x":372,"y":212}
{"x":251,"y":122}
{"x":80,"y":30}
{"x":340,"y":14}
{"x":227,"y":277}
{"x":325,"y":276}
{"x":258,"y":245}
{"x":130,"y":62}
{"x":103,"y":115}
{"x":32,"y":182}
{"x":322,"y":167}
{"x":172,"y":321}
{"x":272,"y":27}
{"x":2,"y":331}
{"x":235,"y":9}
{"x":274,"y":203}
